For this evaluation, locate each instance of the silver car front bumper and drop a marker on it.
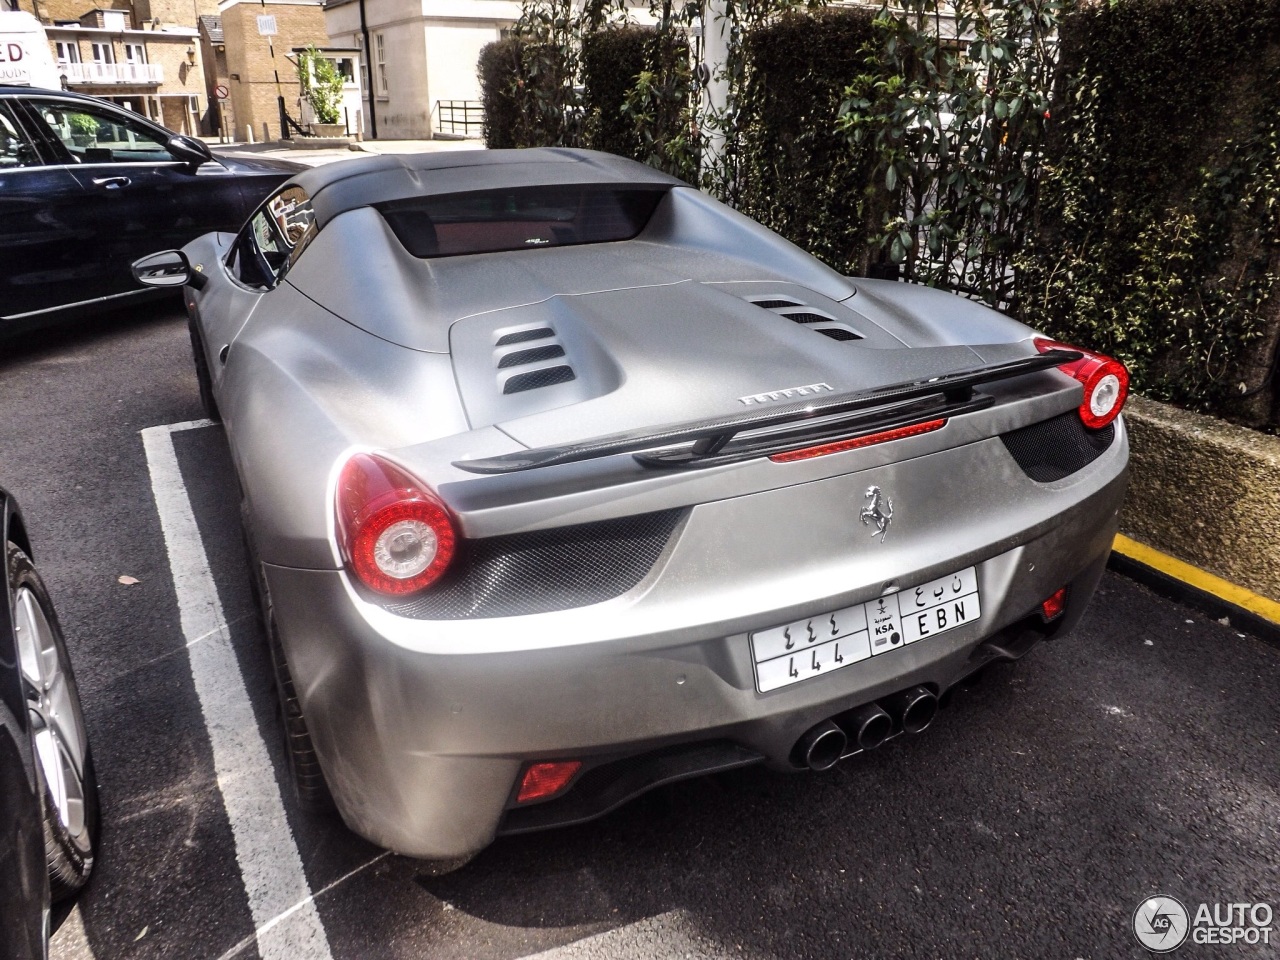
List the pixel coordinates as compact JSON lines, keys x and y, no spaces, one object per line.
{"x":423,"y":727}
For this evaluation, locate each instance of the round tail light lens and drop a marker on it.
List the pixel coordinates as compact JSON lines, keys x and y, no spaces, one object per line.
{"x":396,"y":535}
{"x":1105,"y":381}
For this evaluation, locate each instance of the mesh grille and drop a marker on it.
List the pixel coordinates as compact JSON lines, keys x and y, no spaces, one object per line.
{"x":538,"y":378}
{"x":1057,"y":447}
{"x":839,"y":333}
{"x":524,"y":336}
{"x":809,"y":318}
{"x":775,"y":304}
{"x":546,"y":569}
{"x":550,"y":351}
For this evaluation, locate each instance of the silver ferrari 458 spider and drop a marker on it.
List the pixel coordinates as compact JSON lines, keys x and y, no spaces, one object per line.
{"x":562,"y":480}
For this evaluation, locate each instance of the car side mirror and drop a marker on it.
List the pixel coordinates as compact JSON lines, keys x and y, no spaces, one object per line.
{"x":169,"y":268}
{"x":189,"y":150}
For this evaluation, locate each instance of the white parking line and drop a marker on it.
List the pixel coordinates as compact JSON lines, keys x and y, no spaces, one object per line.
{"x":285,"y":918}
{"x":676,"y":933}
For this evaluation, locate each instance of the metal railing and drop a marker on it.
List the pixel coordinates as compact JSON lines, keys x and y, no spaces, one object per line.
{"x":460,"y":118}
{"x":112,"y":72}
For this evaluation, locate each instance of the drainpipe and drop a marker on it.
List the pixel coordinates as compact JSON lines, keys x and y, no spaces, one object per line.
{"x":368,"y":72}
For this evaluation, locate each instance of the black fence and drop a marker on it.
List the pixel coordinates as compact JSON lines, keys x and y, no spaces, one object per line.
{"x":460,"y":118}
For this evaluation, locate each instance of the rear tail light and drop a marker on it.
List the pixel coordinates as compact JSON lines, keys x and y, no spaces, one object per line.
{"x":1105,"y":382}
{"x":396,"y":535}
{"x":544,"y":780}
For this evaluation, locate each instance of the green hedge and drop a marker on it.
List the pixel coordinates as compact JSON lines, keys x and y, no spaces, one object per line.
{"x":526,"y":92}
{"x":1159,"y":210}
{"x":499,"y":68}
{"x":611,"y":61}
{"x":798,"y":174}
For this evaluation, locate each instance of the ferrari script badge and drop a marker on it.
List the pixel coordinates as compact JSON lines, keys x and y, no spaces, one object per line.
{"x":878,"y":511}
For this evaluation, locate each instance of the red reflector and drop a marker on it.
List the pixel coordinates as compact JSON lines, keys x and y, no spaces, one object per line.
{"x":1052,"y":608}
{"x":840,"y":446}
{"x":546,"y":779}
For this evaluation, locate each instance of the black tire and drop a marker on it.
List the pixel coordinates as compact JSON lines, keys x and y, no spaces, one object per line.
{"x":70,"y":849}
{"x":203,"y":379}
{"x":309,"y":785}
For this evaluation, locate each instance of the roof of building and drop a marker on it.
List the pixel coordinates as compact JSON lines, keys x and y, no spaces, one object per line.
{"x":212,"y":26}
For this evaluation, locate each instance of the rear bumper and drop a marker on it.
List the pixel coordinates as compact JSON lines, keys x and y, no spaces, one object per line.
{"x":423,"y":727}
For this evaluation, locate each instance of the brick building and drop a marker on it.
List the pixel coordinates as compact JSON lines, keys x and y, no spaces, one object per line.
{"x":127,"y":53}
{"x":259,"y":37}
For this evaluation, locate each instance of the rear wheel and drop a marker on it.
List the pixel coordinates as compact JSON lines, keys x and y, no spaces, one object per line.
{"x":308,"y":780}
{"x":203,"y":379}
{"x":64,"y":766}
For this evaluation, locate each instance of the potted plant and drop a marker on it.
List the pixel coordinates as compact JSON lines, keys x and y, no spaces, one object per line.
{"x":84,"y":129}
{"x":322,"y":88}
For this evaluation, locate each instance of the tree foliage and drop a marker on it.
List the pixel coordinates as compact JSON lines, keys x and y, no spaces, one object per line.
{"x":321,"y":85}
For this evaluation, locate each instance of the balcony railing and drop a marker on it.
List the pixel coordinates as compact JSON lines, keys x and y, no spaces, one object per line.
{"x":112,"y":72}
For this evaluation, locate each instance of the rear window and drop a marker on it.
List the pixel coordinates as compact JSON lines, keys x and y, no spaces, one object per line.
{"x":520,"y":218}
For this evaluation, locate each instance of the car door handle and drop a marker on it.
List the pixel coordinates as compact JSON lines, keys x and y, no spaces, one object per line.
{"x":111,"y":183}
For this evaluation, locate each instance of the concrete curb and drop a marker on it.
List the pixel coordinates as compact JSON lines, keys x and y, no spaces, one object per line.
{"x":1201,"y":522}
{"x":1189,"y":585}
{"x":1205,"y":492}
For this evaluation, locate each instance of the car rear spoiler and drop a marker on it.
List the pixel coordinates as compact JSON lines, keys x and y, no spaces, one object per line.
{"x":710,"y":442}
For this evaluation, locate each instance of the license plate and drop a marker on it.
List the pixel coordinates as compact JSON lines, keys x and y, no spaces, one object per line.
{"x":810,"y":648}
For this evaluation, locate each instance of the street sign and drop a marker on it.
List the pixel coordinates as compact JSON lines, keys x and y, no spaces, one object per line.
{"x":221,"y":91}
{"x":267,"y":25}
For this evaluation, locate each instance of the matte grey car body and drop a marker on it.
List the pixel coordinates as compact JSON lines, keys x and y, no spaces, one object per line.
{"x":626,"y":552}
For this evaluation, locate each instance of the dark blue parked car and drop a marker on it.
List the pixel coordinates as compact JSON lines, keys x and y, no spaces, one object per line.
{"x":87,"y":187}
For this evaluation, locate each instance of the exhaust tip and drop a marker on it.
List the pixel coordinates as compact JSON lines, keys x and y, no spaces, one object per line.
{"x":822,"y":747}
{"x":871,"y":726}
{"x":913,"y":709}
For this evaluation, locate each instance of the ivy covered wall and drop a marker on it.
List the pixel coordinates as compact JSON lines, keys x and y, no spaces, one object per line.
{"x":1158,"y":222}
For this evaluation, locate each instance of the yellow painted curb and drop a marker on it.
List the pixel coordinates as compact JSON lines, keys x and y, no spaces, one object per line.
{"x":1197,"y":578}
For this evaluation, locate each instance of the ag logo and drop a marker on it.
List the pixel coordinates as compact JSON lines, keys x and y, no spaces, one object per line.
{"x":1161,"y":923}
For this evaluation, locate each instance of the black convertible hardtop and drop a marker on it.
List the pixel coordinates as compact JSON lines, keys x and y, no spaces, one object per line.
{"x":339,"y":187}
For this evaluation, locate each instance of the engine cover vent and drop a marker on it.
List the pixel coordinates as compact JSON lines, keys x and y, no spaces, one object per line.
{"x":532,"y":366}
{"x":546,"y":377}
{"x":524,"y":336}
{"x":814,"y":319}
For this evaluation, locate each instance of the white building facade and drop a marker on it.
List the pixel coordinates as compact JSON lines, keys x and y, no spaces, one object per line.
{"x":421,"y":60}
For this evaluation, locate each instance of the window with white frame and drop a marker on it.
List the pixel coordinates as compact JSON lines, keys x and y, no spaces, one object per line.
{"x":68,"y":51}
{"x":103,"y":53}
{"x":135,"y":53}
{"x":380,"y":63}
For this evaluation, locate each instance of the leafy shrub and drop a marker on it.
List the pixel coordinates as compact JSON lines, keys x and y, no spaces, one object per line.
{"x":499,"y":70}
{"x":796,"y":173}
{"x":321,"y":85}
{"x":956,"y":128}
{"x":612,"y":59}
{"x":1158,"y":232}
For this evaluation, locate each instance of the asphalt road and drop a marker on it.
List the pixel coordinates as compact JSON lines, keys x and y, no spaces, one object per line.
{"x":1138,"y":756}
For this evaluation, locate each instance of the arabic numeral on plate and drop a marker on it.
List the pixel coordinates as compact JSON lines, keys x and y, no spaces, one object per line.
{"x":816,"y":664}
{"x":839,"y":658}
{"x":792,"y":671}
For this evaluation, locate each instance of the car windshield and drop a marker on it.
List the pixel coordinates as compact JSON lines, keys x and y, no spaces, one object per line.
{"x":520,"y":218}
